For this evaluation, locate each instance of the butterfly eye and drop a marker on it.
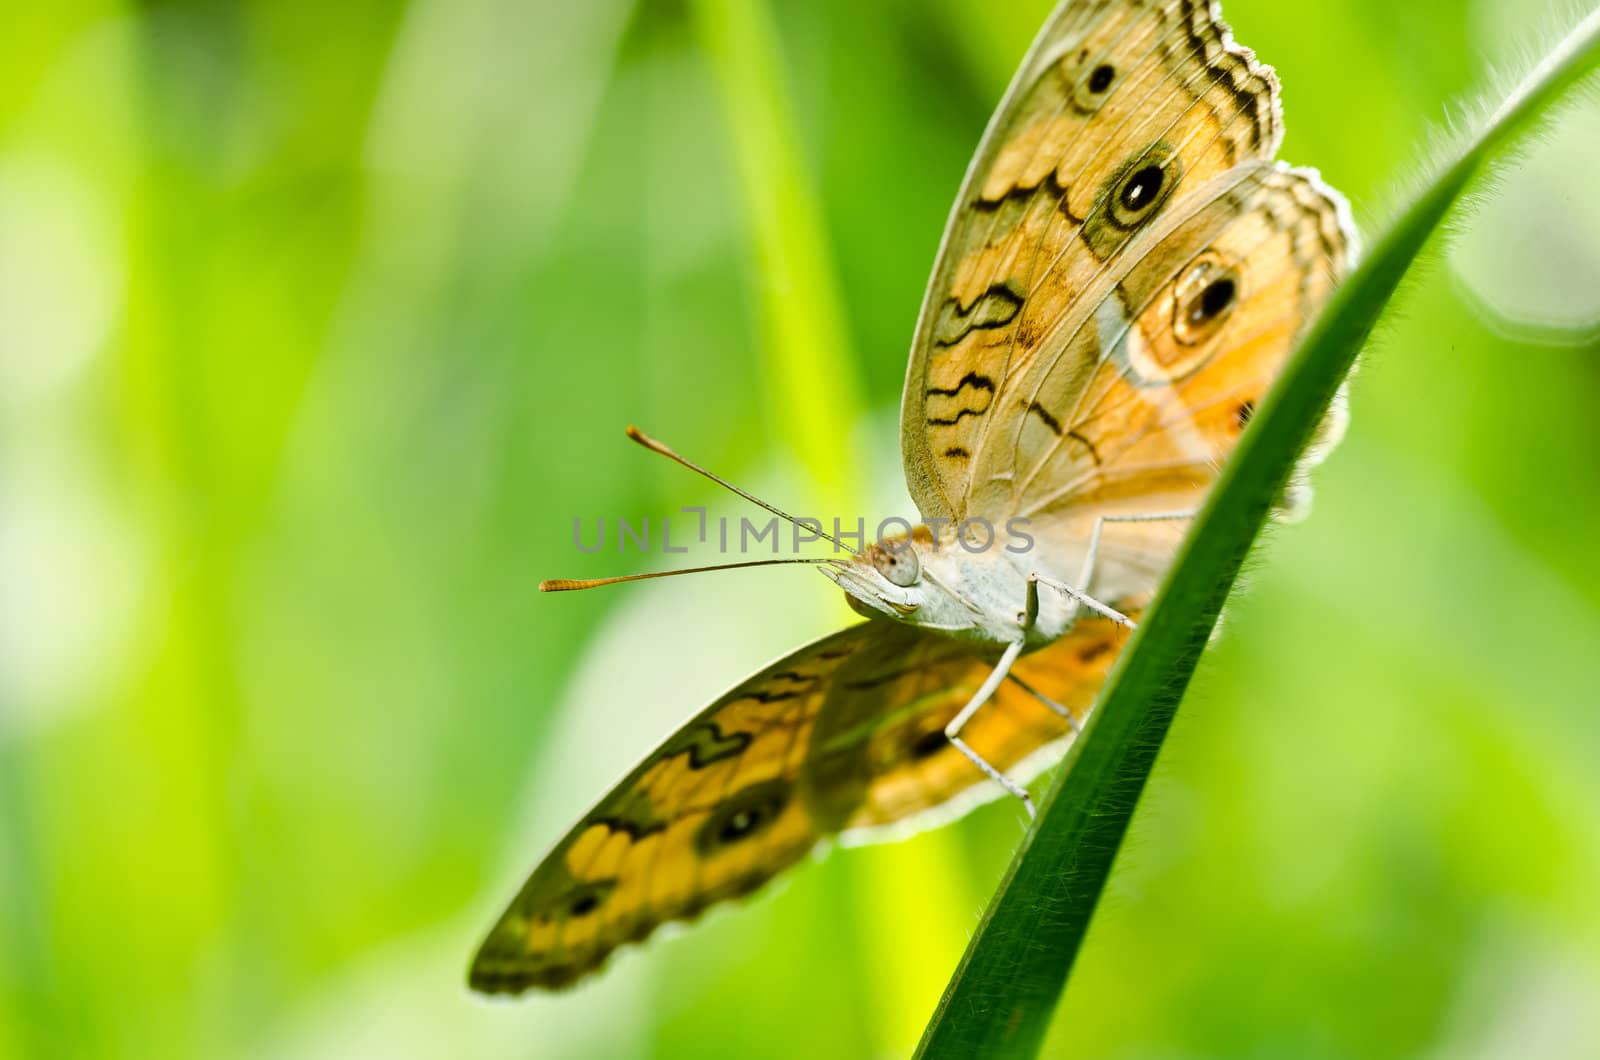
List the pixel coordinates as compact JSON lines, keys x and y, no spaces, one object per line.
{"x":899,"y":565}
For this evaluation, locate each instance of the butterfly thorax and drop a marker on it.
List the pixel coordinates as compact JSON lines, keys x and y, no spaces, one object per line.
{"x":974,"y":590}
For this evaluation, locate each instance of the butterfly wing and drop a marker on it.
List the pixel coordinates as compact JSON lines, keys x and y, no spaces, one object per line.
{"x":879,"y":762}
{"x":710,"y":814}
{"x":844,"y":734}
{"x":1118,"y":109}
{"x":1141,"y":402}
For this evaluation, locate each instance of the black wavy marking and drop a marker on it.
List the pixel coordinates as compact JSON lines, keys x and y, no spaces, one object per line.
{"x":763,"y":696}
{"x":1054,"y":424}
{"x":994,"y":308}
{"x":1223,"y":73}
{"x":951,"y":421}
{"x":1046,"y":418}
{"x":1094,"y":454}
{"x":1022,"y":193}
{"x":705,"y":744}
{"x":1231,"y":72}
{"x":632,"y":828}
{"x":975,"y":382}
{"x":972,"y":379}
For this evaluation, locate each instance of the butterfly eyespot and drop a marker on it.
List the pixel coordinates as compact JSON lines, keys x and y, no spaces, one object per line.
{"x":1216,"y":298}
{"x":1204,"y":298}
{"x":1086,"y":87}
{"x":585,"y":898}
{"x":928,"y":744}
{"x":1136,"y":192}
{"x":744,"y":815}
{"x":1142,"y":190}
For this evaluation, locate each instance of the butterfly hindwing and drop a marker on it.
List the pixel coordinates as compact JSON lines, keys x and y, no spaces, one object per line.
{"x":1148,"y":397}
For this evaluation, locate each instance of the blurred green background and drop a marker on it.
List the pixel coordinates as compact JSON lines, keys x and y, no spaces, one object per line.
{"x":318,"y":326}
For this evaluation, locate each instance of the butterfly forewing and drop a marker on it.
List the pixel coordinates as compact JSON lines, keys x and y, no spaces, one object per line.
{"x":710,"y":814}
{"x":880,"y":747}
{"x":846,"y":734}
{"x":1120,"y":107}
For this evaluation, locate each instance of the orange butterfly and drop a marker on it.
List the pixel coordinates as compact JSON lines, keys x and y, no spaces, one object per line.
{"x":1123,"y":275}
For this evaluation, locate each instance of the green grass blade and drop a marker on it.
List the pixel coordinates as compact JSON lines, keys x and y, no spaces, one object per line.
{"x":806,"y":344}
{"x":1002,"y":994}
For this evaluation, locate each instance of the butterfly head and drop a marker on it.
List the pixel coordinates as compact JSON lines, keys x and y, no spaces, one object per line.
{"x":885,"y":578}
{"x":897,"y":562}
{"x":903,"y":578}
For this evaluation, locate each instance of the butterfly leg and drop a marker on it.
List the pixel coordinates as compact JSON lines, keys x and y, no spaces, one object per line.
{"x":1048,"y":703}
{"x":1086,"y":578}
{"x":1081,"y":596}
{"x":952,"y":731}
{"x":1078,"y":597}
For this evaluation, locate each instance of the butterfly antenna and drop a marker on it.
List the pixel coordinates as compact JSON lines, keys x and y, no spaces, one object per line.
{"x":566,"y":585}
{"x":658,"y":447}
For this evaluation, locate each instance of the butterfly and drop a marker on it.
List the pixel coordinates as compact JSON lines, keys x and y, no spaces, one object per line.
{"x":1124,"y":272}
